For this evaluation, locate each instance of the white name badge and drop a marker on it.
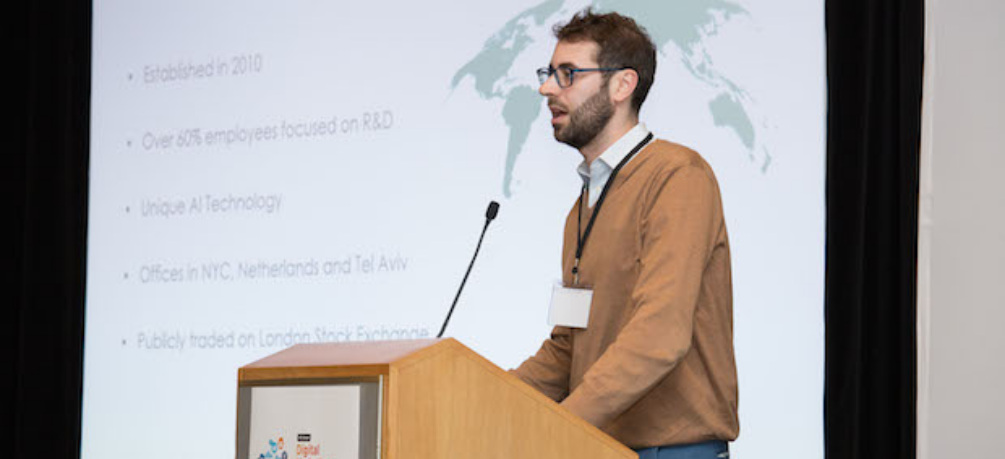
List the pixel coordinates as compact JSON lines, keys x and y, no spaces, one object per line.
{"x":570,"y":307}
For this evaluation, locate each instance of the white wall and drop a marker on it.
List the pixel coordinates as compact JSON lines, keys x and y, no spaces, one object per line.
{"x":961,"y":277}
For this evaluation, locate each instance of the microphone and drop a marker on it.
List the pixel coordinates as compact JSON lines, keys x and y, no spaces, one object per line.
{"x":492,"y":211}
{"x":490,"y":214}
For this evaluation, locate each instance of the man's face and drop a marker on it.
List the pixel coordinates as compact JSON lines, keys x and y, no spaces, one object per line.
{"x":578,"y":112}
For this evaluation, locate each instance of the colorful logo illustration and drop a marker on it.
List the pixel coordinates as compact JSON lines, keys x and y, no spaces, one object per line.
{"x":276,"y":450}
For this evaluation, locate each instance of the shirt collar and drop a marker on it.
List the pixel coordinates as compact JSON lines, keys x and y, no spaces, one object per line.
{"x":595,"y":175}
{"x":617,"y":151}
{"x":609,"y":160}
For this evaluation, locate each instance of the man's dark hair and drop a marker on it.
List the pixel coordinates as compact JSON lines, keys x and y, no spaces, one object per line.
{"x":622,"y":43}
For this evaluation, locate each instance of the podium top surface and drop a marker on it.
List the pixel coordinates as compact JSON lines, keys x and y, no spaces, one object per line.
{"x":343,"y":354}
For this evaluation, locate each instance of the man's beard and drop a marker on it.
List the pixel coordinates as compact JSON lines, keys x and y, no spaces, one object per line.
{"x":587,"y":120}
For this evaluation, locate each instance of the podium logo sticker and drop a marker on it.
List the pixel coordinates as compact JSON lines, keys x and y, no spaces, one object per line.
{"x":306,"y":449}
{"x":275,"y":450}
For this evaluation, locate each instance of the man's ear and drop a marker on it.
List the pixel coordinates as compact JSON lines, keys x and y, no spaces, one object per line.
{"x":623,"y":85}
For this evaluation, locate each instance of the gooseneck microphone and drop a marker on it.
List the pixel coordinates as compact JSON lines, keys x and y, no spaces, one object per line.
{"x":490,"y":214}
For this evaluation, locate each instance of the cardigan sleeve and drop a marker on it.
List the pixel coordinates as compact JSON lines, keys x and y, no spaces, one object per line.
{"x":548,"y":370}
{"x":679,"y":226}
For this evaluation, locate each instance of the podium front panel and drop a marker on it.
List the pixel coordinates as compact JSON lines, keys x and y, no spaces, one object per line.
{"x":319,"y":419}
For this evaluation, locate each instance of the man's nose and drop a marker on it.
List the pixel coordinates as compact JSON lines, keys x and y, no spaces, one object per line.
{"x":549,"y":87}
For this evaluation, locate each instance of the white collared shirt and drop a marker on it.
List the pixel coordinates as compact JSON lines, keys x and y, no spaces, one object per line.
{"x":596,"y":174}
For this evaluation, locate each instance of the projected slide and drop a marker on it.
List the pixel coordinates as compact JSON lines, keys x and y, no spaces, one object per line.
{"x":271,"y":173}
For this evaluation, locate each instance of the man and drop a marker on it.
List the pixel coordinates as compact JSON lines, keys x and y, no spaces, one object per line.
{"x":654,"y":364}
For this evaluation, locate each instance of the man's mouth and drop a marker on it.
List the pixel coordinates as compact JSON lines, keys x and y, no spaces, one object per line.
{"x":557,"y":113}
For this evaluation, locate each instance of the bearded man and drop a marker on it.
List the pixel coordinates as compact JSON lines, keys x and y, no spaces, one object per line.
{"x":643,"y":340}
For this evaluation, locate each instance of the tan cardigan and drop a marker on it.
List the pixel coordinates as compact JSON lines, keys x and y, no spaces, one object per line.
{"x":655,"y":365}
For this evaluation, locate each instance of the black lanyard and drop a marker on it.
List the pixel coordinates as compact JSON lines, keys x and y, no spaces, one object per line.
{"x":581,"y":237}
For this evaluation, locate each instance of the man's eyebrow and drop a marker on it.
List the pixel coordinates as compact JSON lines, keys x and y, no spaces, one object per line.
{"x":566,"y":65}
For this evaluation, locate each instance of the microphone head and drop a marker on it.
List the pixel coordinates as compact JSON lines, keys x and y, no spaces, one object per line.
{"x":492,"y":211}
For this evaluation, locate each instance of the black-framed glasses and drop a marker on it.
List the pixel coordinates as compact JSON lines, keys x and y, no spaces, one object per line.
{"x":564,"y":75}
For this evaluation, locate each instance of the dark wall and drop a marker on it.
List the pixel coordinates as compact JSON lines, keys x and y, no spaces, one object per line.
{"x":875,"y":54}
{"x":48,"y":179}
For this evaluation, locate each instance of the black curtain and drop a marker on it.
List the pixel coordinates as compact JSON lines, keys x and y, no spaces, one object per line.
{"x":874,"y":65}
{"x":47,"y":173}
{"x":875,"y":51}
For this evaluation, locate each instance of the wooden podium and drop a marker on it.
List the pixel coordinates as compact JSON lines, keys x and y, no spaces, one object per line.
{"x":421,"y":399}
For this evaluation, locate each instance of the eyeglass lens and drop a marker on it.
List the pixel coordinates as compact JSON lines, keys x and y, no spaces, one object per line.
{"x":563,"y":76}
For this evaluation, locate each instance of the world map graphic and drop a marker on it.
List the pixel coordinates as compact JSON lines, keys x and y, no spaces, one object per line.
{"x":684,"y":24}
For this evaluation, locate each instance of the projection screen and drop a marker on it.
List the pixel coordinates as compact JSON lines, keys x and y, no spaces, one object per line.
{"x":270,"y":173}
